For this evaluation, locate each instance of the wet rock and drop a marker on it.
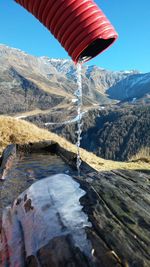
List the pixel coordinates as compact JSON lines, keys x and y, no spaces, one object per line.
{"x":31,"y":261}
{"x":60,"y":251}
{"x":25,"y":197}
{"x":49,"y":146}
{"x":7,"y":160}
{"x":18,"y":201}
{"x":28,"y":205}
{"x":118,"y":207}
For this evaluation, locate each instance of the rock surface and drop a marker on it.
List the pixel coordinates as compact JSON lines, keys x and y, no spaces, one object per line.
{"x":120,"y":213}
{"x":6,"y":160}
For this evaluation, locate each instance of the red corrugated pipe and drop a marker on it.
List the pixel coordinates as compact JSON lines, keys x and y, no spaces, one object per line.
{"x":79,"y":25}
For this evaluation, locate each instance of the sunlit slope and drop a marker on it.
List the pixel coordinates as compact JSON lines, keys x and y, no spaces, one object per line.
{"x":22,"y":132}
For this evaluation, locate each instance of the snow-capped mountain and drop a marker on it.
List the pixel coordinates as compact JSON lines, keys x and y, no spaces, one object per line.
{"x":133,"y":87}
{"x":49,"y":82}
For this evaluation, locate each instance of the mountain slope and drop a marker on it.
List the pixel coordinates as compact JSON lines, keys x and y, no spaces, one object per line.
{"x":119,"y":134}
{"x":20,"y":74}
{"x":132,"y":88}
{"x":22,"y":132}
{"x":116,"y":134}
{"x":40,"y":82}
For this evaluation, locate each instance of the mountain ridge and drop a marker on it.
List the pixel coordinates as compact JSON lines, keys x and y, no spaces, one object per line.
{"x":42,"y":91}
{"x":58,"y":77}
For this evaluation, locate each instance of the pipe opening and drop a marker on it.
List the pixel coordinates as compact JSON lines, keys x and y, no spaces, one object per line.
{"x":94,"y":49}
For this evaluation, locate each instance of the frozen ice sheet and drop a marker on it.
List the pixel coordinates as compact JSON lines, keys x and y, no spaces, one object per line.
{"x":54,"y":209}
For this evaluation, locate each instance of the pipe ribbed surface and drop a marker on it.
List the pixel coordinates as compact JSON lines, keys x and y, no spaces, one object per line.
{"x":79,"y":25}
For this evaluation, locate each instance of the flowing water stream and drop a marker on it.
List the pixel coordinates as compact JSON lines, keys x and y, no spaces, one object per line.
{"x":78,"y":119}
{"x":78,"y":94}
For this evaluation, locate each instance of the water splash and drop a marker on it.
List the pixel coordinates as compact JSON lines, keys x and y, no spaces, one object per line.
{"x":78,"y":95}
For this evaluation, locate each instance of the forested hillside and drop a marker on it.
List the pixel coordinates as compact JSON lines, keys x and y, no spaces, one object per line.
{"x":116,"y":134}
{"x":119,"y":134}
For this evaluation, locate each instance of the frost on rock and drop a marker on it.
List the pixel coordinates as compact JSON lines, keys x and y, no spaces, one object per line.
{"x":48,"y":209}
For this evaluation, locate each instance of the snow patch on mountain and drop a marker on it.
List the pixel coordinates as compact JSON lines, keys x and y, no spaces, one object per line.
{"x":100,"y":86}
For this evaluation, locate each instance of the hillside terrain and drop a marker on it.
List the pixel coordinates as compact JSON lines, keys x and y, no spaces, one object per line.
{"x":22,"y":132}
{"x":28,"y":83}
{"x":116,"y":105}
{"x":114,"y":133}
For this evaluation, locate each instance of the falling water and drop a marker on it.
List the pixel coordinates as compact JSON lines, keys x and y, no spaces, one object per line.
{"x":78,"y":94}
{"x":77,"y":100}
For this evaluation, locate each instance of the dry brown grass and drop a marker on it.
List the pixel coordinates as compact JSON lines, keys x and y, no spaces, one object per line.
{"x":143,"y":155}
{"x":22,"y":132}
{"x":51,"y":90}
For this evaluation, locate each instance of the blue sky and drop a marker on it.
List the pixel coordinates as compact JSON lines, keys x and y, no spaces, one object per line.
{"x":131,"y":19}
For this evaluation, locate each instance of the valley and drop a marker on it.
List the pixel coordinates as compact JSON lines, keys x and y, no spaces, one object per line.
{"x":116,"y":105}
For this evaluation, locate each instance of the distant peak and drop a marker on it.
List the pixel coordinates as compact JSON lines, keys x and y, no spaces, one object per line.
{"x":131,"y":71}
{"x":57,"y":60}
{"x":5,"y":49}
